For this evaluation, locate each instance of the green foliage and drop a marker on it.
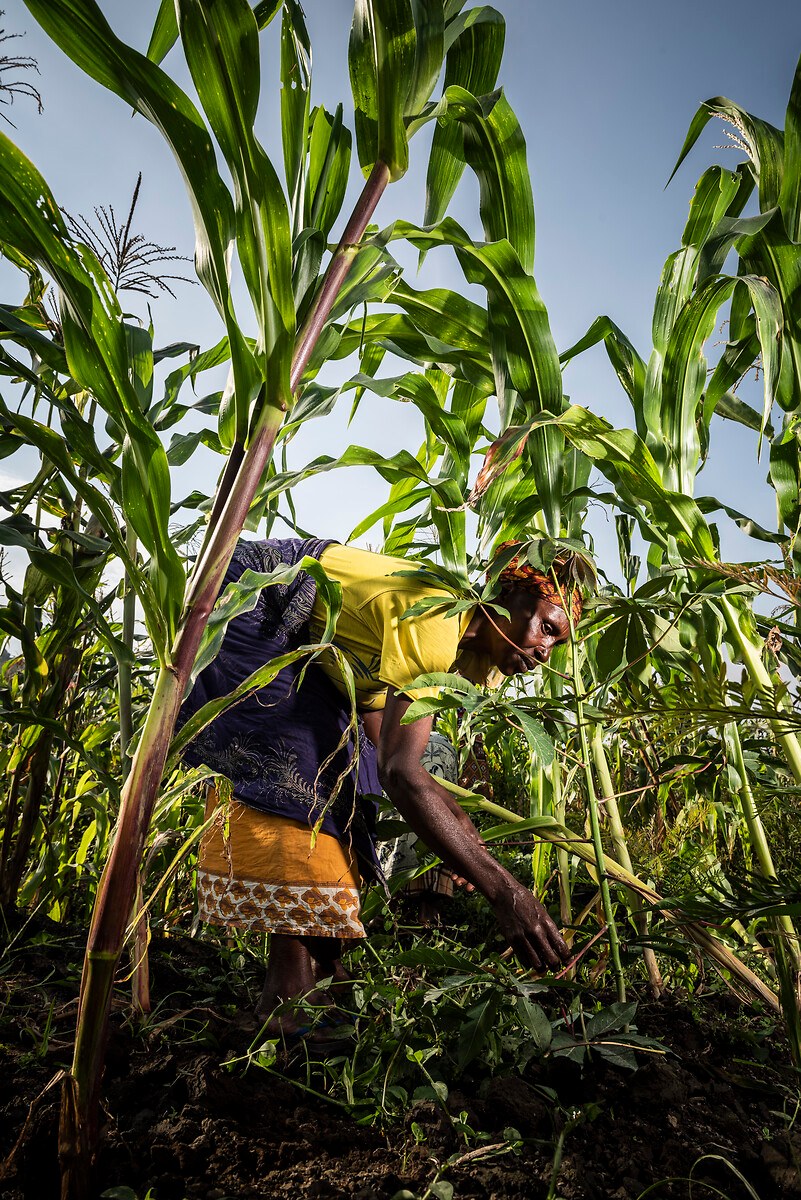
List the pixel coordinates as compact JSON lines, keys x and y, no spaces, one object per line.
{"x":446,"y":1014}
{"x":692,"y":771}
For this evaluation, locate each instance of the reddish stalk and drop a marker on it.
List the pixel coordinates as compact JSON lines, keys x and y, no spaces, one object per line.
{"x":117,"y":888}
{"x":338,"y":268}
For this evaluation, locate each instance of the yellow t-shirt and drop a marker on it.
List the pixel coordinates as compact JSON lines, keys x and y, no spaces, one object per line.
{"x":382,"y":649}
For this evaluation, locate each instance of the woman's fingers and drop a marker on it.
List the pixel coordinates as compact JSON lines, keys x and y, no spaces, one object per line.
{"x":526,"y":953}
{"x":461,"y":882}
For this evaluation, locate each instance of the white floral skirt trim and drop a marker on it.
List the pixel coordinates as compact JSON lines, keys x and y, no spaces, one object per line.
{"x":266,"y":873}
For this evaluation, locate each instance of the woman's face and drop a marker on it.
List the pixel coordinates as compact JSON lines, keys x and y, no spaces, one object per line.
{"x":526,"y":639}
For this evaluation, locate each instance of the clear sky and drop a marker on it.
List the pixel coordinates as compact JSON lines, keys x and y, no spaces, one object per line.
{"x":604,"y":94}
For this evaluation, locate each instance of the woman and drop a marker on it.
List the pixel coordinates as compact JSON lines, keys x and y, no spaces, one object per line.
{"x":299,"y":829}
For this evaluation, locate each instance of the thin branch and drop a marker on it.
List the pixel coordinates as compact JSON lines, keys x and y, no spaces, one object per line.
{"x":10,"y":64}
{"x":131,"y":262}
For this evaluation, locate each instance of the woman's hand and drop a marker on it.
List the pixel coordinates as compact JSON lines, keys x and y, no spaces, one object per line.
{"x":532,"y":934}
{"x":446,"y":829}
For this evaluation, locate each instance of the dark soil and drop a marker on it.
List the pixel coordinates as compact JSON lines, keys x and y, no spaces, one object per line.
{"x":177,"y":1121}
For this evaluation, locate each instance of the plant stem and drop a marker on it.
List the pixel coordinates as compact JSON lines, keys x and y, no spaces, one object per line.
{"x":541,"y":852}
{"x":595,"y":826}
{"x":338,"y":268}
{"x":124,"y":668}
{"x":621,"y":853}
{"x":140,"y":960}
{"x":117,"y":887}
{"x":783,"y":933}
{"x":760,"y":677}
{"x":562,"y":857}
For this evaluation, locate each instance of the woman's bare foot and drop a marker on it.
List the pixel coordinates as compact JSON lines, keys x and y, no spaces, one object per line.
{"x":292,"y":1005}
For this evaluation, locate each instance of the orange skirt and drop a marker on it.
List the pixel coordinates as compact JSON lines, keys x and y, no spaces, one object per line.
{"x":261,"y":872}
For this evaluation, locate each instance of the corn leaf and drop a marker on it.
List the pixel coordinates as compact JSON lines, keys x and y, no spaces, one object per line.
{"x":496,"y":151}
{"x":381,"y":60}
{"x":54,"y":448}
{"x":96,"y":346}
{"x":474,"y":44}
{"x":242,"y":595}
{"x":684,"y":374}
{"x":82,"y":32}
{"x":628,"y":463}
{"x":222,"y":48}
{"x":763,"y":143}
{"x":295,"y":89}
{"x":429,"y":50}
{"x":165,"y":32}
{"x":790,"y":194}
{"x":329,"y":164}
{"x":771,"y":254}
{"x":517,"y":313}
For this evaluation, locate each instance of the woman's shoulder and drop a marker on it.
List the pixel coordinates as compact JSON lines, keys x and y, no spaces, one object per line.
{"x":365,"y":575}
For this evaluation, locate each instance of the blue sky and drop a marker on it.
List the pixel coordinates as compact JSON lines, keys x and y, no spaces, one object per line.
{"x":604,"y":94}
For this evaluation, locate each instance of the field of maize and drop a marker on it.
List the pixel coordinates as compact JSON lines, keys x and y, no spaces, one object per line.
{"x":646,"y":783}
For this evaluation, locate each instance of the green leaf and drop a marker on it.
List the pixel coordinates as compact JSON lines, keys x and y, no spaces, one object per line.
{"x":35,"y":662}
{"x":165,"y":32}
{"x":496,"y":150}
{"x":433,"y":956}
{"x":396,"y":504}
{"x":628,"y":366}
{"x":445,"y":426}
{"x":295,"y":89}
{"x":96,"y":345}
{"x":222,"y":48}
{"x":445,"y":679}
{"x":205,"y":715}
{"x":82,"y":32}
{"x":615,"y":1017}
{"x":712,"y":199}
{"x":736,"y":360}
{"x":241,"y":596}
{"x":448,"y":316}
{"x":627,"y":462}
{"x":619,"y":1056}
{"x":183,"y":445}
{"x":19,"y":530}
{"x":329,"y":166}
{"x":684,"y":376}
{"x":790,"y":194}
{"x":474,"y":44}
{"x":769,"y":254}
{"x":539,"y":743}
{"x":381,"y":61}
{"x":265,"y":10}
{"x":749,"y":526}
{"x":764,"y":143}
{"x":54,"y":449}
{"x":56,"y":568}
{"x":371,"y":279}
{"x":429,"y":50}
{"x":397,"y":334}
{"x":524,"y":354}
{"x":429,"y":706}
{"x":476,"y":1029}
{"x":785,"y":475}
{"x":16,"y":323}
{"x":535,"y":1021}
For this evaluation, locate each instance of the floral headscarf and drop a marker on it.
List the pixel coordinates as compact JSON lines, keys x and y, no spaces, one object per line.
{"x":522,"y":575}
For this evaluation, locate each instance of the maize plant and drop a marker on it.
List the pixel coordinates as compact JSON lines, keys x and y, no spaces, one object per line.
{"x":637,"y":742}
